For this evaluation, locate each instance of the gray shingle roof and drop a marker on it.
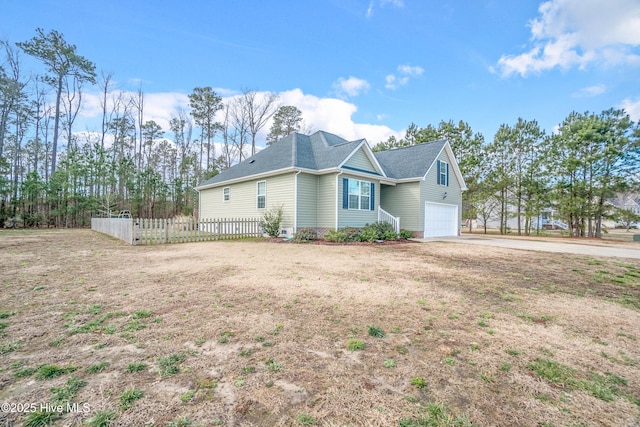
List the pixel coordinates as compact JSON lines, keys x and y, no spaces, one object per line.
{"x":323,"y":150}
{"x":409,"y":162}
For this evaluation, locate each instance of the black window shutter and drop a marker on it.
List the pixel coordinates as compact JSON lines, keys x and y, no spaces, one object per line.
{"x":345,"y":193}
{"x":447,"y":174}
{"x":372,"y":198}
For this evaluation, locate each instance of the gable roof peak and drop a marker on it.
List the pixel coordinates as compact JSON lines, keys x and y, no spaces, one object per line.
{"x":410,"y":162}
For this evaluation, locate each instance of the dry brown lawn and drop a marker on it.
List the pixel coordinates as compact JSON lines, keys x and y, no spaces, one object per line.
{"x":259,"y":333}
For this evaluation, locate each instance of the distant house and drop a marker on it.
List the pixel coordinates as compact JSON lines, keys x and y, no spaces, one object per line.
{"x":630,"y":202}
{"x":325,"y":182}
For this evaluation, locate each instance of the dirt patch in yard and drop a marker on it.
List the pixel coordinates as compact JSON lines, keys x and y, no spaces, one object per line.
{"x":266,"y":334}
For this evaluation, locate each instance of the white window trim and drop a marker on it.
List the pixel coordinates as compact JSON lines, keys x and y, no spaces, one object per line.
{"x":444,"y":164}
{"x":258,"y":195}
{"x":226,"y":194}
{"x":359,"y":208}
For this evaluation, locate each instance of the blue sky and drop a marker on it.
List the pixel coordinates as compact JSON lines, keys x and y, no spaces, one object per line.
{"x":359,"y":68}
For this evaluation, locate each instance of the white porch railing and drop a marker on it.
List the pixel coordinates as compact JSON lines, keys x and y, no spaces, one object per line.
{"x":385,"y":216}
{"x":556,"y":223}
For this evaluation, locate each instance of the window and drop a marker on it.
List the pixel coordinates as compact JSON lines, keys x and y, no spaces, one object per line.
{"x":226,"y":191}
{"x":443,"y":173}
{"x":262,"y":194}
{"x":359,"y":194}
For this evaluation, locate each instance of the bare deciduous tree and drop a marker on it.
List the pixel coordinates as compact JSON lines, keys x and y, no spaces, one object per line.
{"x":258,"y":108}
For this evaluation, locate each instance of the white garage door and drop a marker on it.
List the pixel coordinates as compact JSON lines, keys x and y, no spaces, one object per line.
{"x":440,"y":220}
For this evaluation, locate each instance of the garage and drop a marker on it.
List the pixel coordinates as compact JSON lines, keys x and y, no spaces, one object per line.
{"x":440,"y":220}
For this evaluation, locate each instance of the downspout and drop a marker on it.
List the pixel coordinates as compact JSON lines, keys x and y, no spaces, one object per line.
{"x":295,"y":202}
{"x":337,"y":195}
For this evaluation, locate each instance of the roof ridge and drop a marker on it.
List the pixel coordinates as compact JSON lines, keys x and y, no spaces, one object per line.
{"x":294,"y":149}
{"x":411,"y":146}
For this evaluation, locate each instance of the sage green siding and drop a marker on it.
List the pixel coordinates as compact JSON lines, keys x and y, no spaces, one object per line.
{"x":243,"y":199}
{"x":326,"y":197}
{"x":307,"y":200}
{"x":431,"y":191}
{"x":403,"y":200}
{"x":355,"y":217}
{"x":360,"y":161}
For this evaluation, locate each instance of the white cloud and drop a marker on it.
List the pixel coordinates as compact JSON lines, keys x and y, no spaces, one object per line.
{"x":394,"y":3}
{"x":408,"y":70}
{"x":632,"y":107}
{"x":405,"y":72}
{"x":370,"y":9}
{"x":383,"y":3}
{"x":576,"y":33}
{"x":159,"y":107}
{"x":335,"y":116}
{"x":329,"y":114}
{"x":350,"y":87}
{"x":591,"y":91}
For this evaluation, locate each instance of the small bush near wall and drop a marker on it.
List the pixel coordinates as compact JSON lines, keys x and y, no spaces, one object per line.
{"x":370,"y":233}
{"x":305,"y":235}
{"x":352,"y":234}
{"x":346,"y":234}
{"x":378,"y":231}
{"x":271,"y":220}
{"x":335,"y":236}
{"x":406,"y":234}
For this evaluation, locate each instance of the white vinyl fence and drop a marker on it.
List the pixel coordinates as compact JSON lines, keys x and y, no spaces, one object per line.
{"x":149,"y":231}
{"x":120,"y":228}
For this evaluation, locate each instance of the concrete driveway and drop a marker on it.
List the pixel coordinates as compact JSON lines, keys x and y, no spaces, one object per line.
{"x":542,"y":245}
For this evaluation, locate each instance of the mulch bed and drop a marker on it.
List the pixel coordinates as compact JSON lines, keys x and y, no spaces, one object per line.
{"x":326,"y":242}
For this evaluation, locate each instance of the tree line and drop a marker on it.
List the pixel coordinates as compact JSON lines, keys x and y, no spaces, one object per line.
{"x":523,"y":173}
{"x":128,"y":163}
{"x":54,"y":174}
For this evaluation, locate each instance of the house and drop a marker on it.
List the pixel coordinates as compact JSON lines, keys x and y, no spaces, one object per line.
{"x":325,"y":182}
{"x":628,"y":201}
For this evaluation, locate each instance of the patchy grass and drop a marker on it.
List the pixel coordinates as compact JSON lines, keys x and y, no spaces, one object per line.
{"x":436,"y":415}
{"x":170,"y":365}
{"x":97,"y":367}
{"x":356,"y":345}
{"x":68,"y":391}
{"x":135,"y":367}
{"x":40,"y":418}
{"x":128,"y":397}
{"x":101,"y":418}
{"x":47,"y":372}
{"x":376,"y":332}
{"x":218,"y":333}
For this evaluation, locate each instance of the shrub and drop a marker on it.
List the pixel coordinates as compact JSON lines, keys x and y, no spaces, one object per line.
{"x":271,"y":220}
{"x":305,"y":235}
{"x":352,"y":234}
{"x":378,"y":231}
{"x":369,"y":235}
{"x":406,"y":234}
{"x":335,"y":236}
